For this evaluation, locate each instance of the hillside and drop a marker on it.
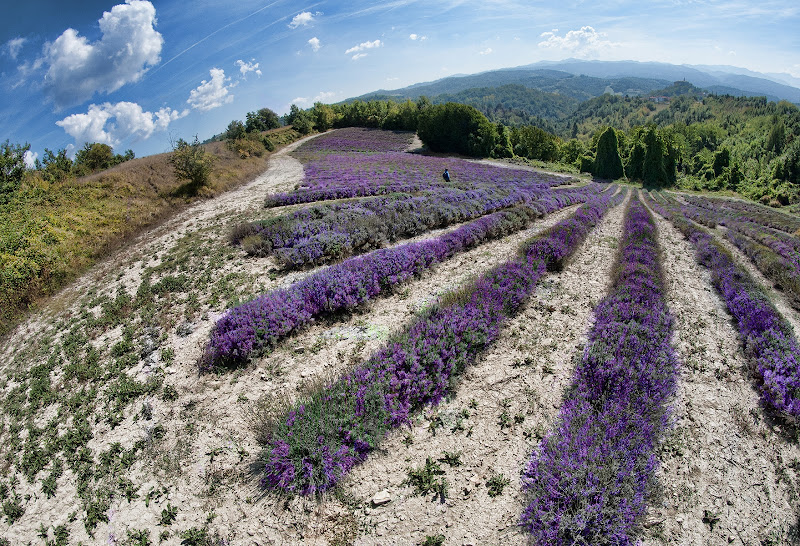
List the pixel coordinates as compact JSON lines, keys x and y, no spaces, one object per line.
{"x":115,"y":429}
{"x":586,"y":79}
{"x":51,"y":232}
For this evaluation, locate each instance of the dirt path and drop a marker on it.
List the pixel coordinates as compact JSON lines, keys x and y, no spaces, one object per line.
{"x":727,"y":476}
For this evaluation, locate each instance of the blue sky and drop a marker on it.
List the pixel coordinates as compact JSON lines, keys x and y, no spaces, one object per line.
{"x":136,"y":73}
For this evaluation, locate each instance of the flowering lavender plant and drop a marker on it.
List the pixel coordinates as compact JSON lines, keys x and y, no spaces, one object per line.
{"x":259,"y":323}
{"x":321,"y":438}
{"x":769,"y":340}
{"x":589,"y":479}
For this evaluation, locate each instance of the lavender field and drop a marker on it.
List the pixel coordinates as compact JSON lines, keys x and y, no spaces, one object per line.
{"x":351,"y":350}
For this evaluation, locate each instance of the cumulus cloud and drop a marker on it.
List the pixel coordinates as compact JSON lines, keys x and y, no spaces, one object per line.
{"x":114,"y":123}
{"x":212,"y":93}
{"x":581,"y":43}
{"x":302,"y":19}
{"x":364,"y":45}
{"x":314,"y":43}
{"x":14,"y":46}
{"x":486,"y":51}
{"x":322,"y":96}
{"x":244,"y":67}
{"x":417,"y":37}
{"x":29,"y":158}
{"x":77,"y":68}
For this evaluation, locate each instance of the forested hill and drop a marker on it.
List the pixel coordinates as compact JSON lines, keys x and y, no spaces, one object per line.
{"x":586,"y":79}
{"x":580,"y":87}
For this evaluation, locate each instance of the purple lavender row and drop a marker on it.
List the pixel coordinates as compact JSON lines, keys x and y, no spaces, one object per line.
{"x":347,"y":176}
{"x":354,"y":140}
{"x":260,"y":323}
{"x":749,"y":212}
{"x":589,"y":479}
{"x":768,"y":338}
{"x":318,"y":441}
{"x":332,"y":231}
{"x":774,"y":255}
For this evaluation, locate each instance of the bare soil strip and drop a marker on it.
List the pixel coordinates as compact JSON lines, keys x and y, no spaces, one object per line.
{"x":728,"y":476}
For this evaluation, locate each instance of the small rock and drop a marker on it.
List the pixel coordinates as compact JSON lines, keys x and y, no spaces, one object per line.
{"x":380,"y":498}
{"x":299,"y":349}
{"x":184,"y":329}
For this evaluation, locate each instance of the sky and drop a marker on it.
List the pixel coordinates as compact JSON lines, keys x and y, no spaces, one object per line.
{"x":138,"y":74}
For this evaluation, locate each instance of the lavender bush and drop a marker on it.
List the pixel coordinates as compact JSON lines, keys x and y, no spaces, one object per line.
{"x":589,"y":479}
{"x":321,"y":438}
{"x":769,"y":340}
{"x":260,"y":323}
{"x":328,"y":232}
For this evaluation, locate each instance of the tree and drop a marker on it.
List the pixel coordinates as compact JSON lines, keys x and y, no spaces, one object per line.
{"x":191,"y":162}
{"x":262,"y":120}
{"x":94,"y":157}
{"x":324,"y":116}
{"x":608,"y":163}
{"x":535,"y":143}
{"x":653,"y":171}
{"x":635,"y":166}
{"x":299,"y":119}
{"x":235,"y":130}
{"x":12,"y":167}
{"x":453,"y":127}
{"x":55,"y":166}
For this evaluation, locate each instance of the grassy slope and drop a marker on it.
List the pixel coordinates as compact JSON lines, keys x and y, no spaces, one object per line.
{"x":53,"y":232}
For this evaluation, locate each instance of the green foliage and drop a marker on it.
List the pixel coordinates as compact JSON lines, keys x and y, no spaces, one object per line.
{"x":55,"y":166}
{"x":192,"y":163}
{"x":457,"y":128}
{"x":324,"y":116}
{"x":428,"y":479}
{"x":301,"y":120}
{"x":97,"y":157}
{"x":496,"y":484}
{"x":12,"y":167}
{"x":608,"y":163}
{"x":535,"y":143}
{"x":235,"y":130}
{"x":261,"y":120}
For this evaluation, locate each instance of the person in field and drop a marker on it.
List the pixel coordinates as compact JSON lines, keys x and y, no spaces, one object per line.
{"x":446,"y":176}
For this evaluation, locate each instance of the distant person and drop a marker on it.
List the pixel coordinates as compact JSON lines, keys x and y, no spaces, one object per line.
{"x":446,"y":176}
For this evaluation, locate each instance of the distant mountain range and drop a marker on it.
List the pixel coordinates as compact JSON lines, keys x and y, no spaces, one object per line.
{"x":583,"y":80}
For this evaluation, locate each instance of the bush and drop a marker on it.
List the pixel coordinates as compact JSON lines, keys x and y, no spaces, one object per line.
{"x":247,"y":147}
{"x":191,"y":162}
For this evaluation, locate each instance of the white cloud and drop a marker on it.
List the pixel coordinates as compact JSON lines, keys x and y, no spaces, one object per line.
{"x":212,"y":93}
{"x":14,"y":46}
{"x":302,"y":19}
{"x":364,"y":45}
{"x":486,"y":51}
{"x":244,"y":67}
{"x":129,"y":121}
{"x":358,"y":56}
{"x":29,"y":158}
{"x":581,"y":43}
{"x":322,"y":96}
{"x":77,"y":68}
{"x":314,"y":43}
{"x":417,"y":37}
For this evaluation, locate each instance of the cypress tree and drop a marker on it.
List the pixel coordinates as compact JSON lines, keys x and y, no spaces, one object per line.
{"x":635,"y":165}
{"x":608,"y":163}
{"x":653,"y":171}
